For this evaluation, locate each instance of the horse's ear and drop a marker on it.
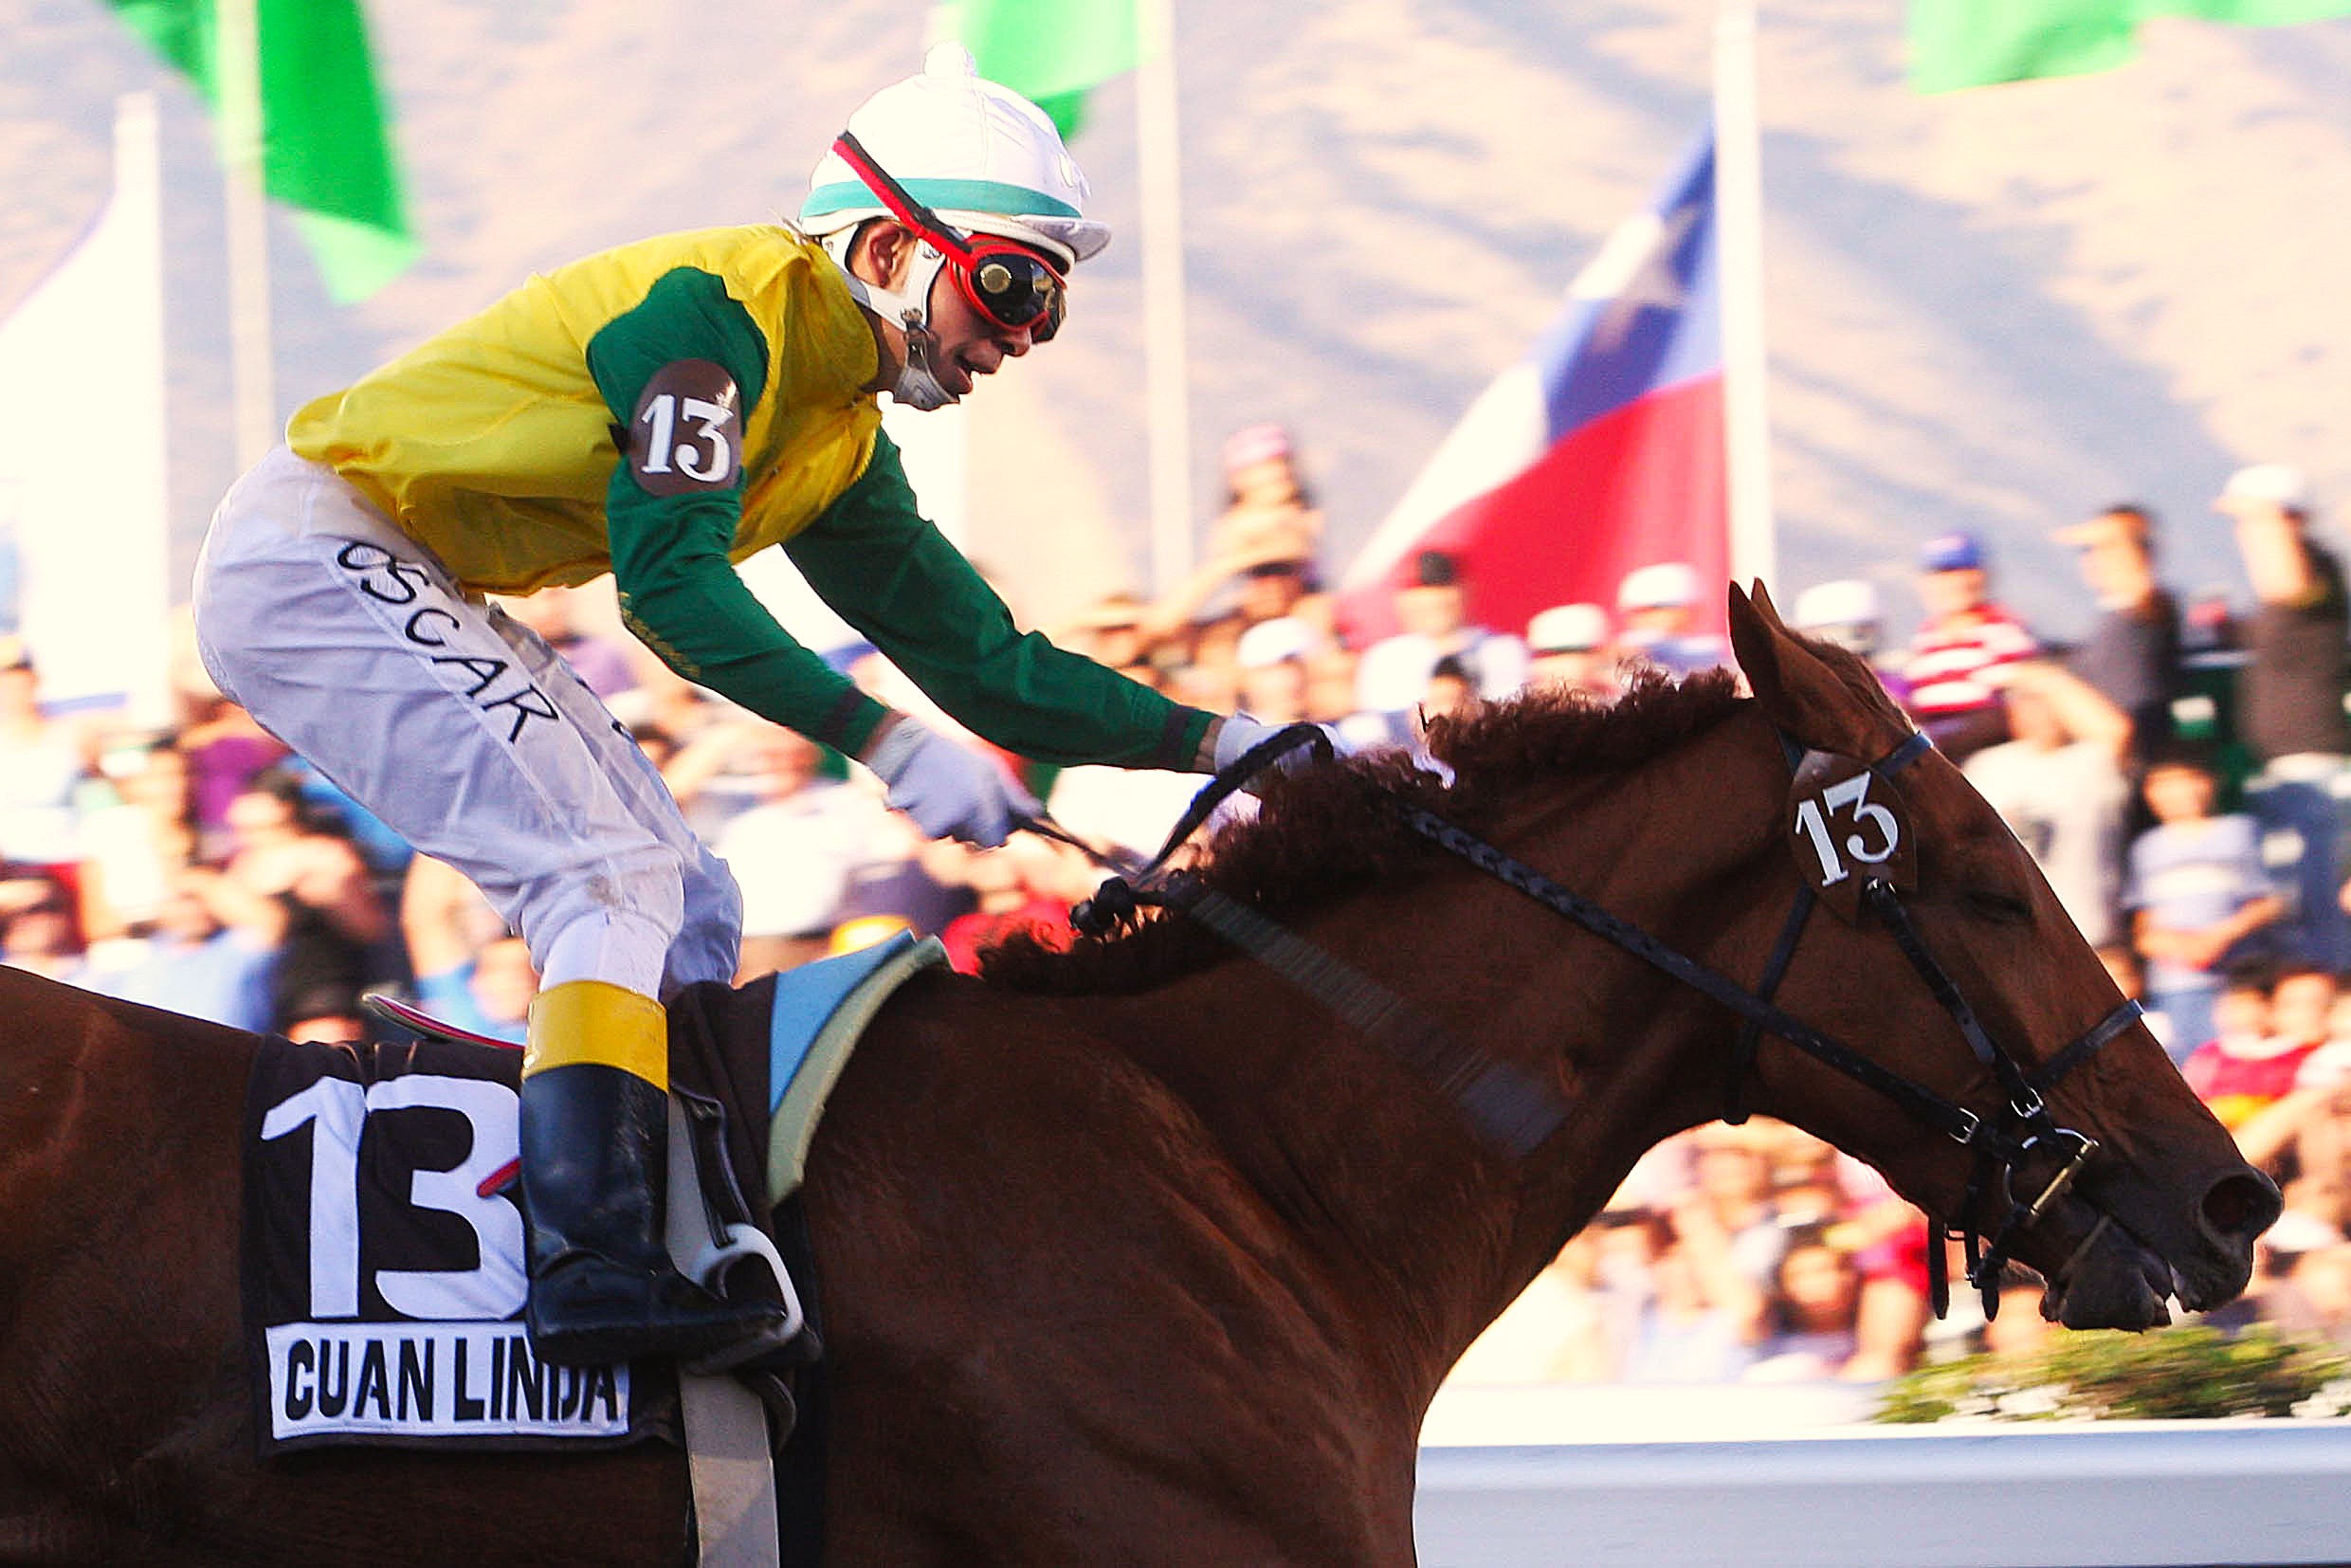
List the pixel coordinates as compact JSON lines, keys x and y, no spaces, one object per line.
{"x":1795,"y":690}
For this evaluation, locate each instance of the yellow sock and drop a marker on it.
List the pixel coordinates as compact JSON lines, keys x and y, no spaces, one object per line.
{"x":608,"y":1025}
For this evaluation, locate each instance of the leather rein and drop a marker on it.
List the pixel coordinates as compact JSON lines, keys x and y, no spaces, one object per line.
{"x":1517,"y":1112}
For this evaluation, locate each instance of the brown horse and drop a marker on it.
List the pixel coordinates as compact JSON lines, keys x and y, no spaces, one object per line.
{"x":1135,"y":1254}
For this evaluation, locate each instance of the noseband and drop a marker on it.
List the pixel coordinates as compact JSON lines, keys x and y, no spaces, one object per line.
{"x":1520,"y":1112}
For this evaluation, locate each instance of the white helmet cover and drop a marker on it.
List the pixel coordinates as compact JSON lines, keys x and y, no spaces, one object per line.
{"x":981,"y":156}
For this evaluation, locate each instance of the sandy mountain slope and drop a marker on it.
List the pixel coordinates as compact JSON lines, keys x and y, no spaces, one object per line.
{"x":1993,"y":309}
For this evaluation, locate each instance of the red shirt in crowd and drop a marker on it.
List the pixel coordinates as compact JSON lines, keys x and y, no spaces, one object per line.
{"x":2235,"y":1081}
{"x":1946,"y":660}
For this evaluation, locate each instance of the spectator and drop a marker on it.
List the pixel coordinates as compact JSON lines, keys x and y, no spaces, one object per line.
{"x":37,"y":928}
{"x":2290,"y":697}
{"x":1451,"y":688}
{"x":470,"y":972}
{"x":1704,"y":1315}
{"x":2131,"y":656}
{"x":1109,"y":632}
{"x":1263,"y":545}
{"x":333,"y":914}
{"x":601,"y":666}
{"x":792,"y":851}
{"x":1272,"y":656}
{"x":210,"y":952}
{"x":2315,"y":1300}
{"x":1028,"y":886}
{"x":1568,"y":649}
{"x":2059,"y":786}
{"x":1735,"y":1185}
{"x":226,"y":751}
{"x":2244,"y":1069}
{"x":40,"y":766}
{"x":1965,"y":633}
{"x":2197,"y":891}
{"x":1811,"y":1314}
{"x":1394,"y":676}
{"x":1268,"y":505}
{"x":1659,"y":604}
{"x":1554,"y":1333}
{"x":1846,"y":612}
{"x":133,"y":846}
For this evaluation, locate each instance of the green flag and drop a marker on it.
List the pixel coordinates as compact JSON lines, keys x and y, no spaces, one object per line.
{"x":326,"y":149}
{"x":1049,"y":51}
{"x":1972,"y":42}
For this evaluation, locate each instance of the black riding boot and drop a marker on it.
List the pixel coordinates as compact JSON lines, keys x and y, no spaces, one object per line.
{"x":594,"y":1166}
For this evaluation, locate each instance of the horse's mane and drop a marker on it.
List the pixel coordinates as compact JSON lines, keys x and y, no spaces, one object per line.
{"x":1320,"y":833}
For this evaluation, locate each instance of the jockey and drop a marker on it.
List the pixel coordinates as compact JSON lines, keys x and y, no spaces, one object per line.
{"x":661,"y":411}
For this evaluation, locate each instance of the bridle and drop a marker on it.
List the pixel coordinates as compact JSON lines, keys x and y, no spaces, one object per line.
{"x":1518,"y":1112}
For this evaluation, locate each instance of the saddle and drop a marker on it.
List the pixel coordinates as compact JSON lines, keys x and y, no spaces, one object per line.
{"x":750,"y":1072}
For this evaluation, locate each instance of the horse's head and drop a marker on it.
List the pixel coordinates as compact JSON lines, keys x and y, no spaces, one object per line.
{"x":2163,"y":1204}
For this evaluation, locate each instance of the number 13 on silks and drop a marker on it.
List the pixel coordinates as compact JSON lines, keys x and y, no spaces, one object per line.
{"x":1847,"y":825}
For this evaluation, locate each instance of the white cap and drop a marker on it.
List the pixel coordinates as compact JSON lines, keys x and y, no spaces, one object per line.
{"x":1849,"y":601}
{"x":1567,"y":628}
{"x":1270,"y":642}
{"x":1667,"y":585}
{"x":2279,"y":484}
{"x":978,"y":154}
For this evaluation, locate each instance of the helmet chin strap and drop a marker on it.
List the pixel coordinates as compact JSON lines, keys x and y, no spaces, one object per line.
{"x":917,"y":385}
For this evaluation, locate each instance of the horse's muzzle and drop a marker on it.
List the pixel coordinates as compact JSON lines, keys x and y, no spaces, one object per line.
{"x":2118,"y":1277}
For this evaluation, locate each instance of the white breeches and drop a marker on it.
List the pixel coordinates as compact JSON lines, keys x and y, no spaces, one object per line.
{"x":460,"y":728}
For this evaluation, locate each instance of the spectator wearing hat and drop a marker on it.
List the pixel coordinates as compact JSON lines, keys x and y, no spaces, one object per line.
{"x":1261,"y":546}
{"x":2290,"y":697}
{"x":1846,"y":612}
{"x":1432,"y":609}
{"x":1568,"y":650}
{"x":2132,"y":652}
{"x":1272,"y":656}
{"x":1659,"y":604}
{"x":1266,"y":502}
{"x":1964,"y":634}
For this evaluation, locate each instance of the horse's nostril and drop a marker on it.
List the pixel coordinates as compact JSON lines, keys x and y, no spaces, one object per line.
{"x":2242,"y":1205}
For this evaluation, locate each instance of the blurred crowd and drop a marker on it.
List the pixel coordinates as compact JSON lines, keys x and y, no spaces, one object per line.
{"x":2180,"y":774}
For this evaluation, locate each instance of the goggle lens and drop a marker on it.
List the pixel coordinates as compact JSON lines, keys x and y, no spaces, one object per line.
{"x":1015,"y":289}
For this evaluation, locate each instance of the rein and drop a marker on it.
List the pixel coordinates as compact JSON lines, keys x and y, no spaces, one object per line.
{"x":1518,"y":1112}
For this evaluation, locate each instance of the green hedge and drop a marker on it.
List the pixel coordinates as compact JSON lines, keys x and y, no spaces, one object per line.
{"x":2171,"y":1374}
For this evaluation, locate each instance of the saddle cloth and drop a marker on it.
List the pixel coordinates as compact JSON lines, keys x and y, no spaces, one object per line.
{"x":383,"y":1251}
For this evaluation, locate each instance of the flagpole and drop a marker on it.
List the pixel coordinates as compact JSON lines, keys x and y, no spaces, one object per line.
{"x":141,"y":495}
{"x":244,"y":142}
{"x":1167,"y":372}
{"x":1738,"y":213}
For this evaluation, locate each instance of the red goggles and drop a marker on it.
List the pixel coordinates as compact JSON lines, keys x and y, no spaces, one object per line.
{"x":1011,"y":284}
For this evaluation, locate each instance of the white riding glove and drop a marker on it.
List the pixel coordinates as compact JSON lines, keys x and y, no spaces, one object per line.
{"x":1240,"y":732}
{"x":950,"y":790}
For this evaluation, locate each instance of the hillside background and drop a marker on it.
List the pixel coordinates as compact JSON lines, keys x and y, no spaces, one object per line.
{"x":1996,"y":309}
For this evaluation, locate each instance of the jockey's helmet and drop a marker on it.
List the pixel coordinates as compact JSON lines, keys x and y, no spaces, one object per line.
{"x":978,"y":155}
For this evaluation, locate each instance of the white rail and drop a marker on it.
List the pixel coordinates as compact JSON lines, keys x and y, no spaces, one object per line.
{"x":2153,"y":1494}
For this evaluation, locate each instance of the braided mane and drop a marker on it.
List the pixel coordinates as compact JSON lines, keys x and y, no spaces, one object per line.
{"x":1320,"y":833}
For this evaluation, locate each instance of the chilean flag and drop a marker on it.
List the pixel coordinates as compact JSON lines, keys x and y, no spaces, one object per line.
{"x":1599,"y":452}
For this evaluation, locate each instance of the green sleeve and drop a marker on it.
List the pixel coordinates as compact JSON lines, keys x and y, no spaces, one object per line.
{"x":678,"y":592}
{"x":894,"y":576}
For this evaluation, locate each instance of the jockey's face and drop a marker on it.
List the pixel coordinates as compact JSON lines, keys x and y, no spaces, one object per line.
{"x":967,"y":344}
{"x":970,"y":345}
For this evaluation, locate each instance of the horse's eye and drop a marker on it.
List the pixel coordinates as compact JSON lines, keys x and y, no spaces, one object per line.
{"x":1997,"y":904}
